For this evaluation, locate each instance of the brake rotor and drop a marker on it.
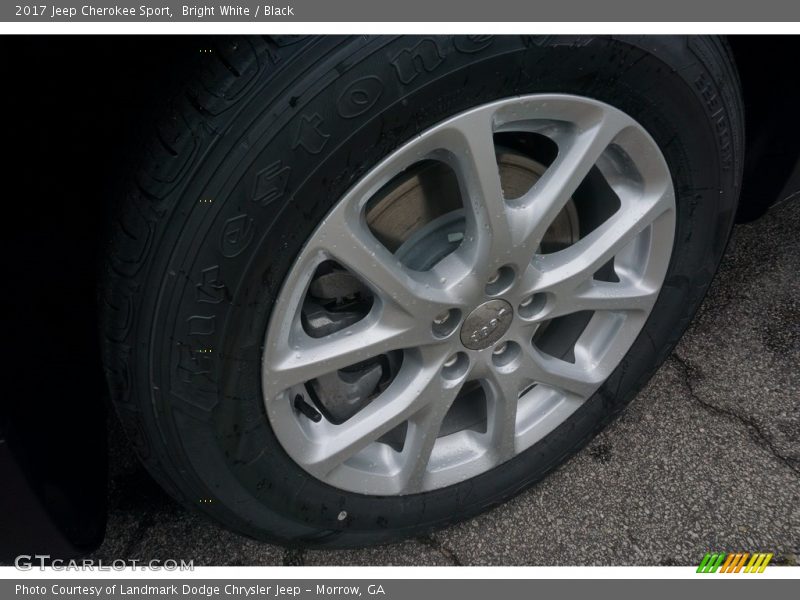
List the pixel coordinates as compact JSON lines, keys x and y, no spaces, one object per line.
{"x":419,"y":215}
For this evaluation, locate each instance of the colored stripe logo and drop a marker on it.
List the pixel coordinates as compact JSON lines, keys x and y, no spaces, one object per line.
{"x":734,"y":562}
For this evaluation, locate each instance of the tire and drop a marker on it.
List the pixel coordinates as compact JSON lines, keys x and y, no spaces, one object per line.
{"x":244,"y":165}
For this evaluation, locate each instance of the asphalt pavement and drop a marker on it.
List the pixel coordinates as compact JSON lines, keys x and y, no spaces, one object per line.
{"x":707,"y":457}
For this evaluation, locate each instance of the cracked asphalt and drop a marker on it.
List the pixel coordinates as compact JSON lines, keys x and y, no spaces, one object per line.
{"x":706,"y":457}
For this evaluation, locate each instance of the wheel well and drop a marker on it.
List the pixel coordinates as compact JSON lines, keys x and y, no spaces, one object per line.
{"x":766,"y":67}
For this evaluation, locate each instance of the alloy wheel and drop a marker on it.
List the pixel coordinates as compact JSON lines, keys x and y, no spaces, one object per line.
{"x":468,"y":294}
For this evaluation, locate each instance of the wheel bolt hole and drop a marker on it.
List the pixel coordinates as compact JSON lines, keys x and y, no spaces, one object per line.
{"x":504,"y":353}
{"x":500,"y":281}
{"x":456,"y":366}
{"x":446,"y":323}
{"x":532,"y":306}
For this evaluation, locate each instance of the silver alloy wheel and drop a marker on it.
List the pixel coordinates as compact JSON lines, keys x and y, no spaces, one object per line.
{"x":474,"y":315}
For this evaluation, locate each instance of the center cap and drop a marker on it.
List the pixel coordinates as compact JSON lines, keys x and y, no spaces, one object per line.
{"x":486,"y":324}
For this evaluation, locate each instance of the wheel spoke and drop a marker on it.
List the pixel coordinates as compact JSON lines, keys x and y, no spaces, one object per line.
{"x":602,"y":295}
{"x":504,"y":390}
{"x":417,"y":386}
{"x":350,"y":243}
{"x":579,"y":262}
{"x":306,"y":358}
{"x":574,"y":378}
{"x":423,"y":428}
{"x":578,"y":153}
{"x":471,"y":144}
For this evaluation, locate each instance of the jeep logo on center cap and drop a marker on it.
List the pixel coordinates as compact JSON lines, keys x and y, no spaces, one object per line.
{"x":486,"y":324}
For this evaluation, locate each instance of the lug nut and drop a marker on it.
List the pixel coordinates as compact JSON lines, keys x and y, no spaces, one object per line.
{"x":500,"y":281}
{"x":455,"y":367}
{"x":442,"y":318}
{"x":500,"y":348}
{"x":505,"y":353}
{"x":446,"y":322}
{"x":531,"y":306}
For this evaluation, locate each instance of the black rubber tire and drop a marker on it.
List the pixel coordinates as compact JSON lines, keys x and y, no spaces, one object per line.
{"x":257,"y":149}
